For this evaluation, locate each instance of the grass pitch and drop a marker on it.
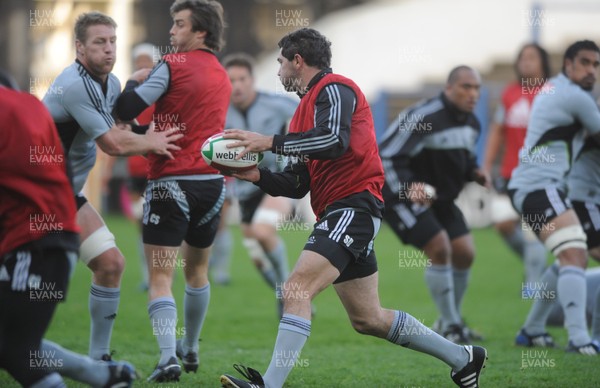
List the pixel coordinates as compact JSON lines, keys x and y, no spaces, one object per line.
{"x":241,"y":324}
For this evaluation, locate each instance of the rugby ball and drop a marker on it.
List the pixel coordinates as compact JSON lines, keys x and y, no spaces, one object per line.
{"x":217,"y":155}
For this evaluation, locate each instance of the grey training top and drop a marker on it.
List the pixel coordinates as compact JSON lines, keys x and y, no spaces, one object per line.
{"x":268,"y":115}
{"x":584,"y":178}
{"x":81,"y":106}
{"x":561,"y":116}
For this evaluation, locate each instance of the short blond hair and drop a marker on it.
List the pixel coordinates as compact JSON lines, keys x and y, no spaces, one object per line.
{"x":88,"y":19}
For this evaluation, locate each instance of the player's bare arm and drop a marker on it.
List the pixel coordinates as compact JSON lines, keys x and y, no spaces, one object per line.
{"x":140,"y":75}
{"x":117,"y":142}
{"x":495,"y":139}
{"x":482,"y":177}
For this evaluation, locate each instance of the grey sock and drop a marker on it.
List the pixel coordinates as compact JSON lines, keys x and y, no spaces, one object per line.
{"x":545,"y":297}
{"x":572,"y":292}
{"x":53,"y":380}
{"x":220,"y":256}
{"x":270,"y":276}
{"x":76,"y":366}
{"x":291,"y":337}
{"x":406,"y":331}
{"x":103,"y":304}
{"x":440,"y":283}
{"x":460,"y":278}
{"x":278,"y":258}
{"x":535,"y":260}
{"x":195,"y":304}
{"x":516,"y":241}
{"x":163,"y":316}
{"x":596,"y":316}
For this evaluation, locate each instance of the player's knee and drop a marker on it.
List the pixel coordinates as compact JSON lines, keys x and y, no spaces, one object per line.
{"x":569,"y":244}
{"x":506,"y":228}
{"x":110,"y":263}
{"x":439,"y":253}
{"x":464,"y":257}
{"x":262,"y":233}
{"x":573,"y":256}
{"x":96,"y":245}
{"x":264,"y":223}
{"x":254,"y":249}
{"x":438,"y":249}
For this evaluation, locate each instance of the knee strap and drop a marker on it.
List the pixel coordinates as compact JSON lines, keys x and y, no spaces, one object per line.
{"x":568,"y":237}
{"x":96,"y":244}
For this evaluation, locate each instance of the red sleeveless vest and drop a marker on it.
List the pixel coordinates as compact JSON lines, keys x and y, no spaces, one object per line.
{"x":196,"y":101}
{"x":359,"y":168}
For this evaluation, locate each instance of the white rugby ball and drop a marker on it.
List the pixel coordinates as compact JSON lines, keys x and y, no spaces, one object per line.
{"x":217,"y":155}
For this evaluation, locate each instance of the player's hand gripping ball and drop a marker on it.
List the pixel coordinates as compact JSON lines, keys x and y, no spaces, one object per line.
{"x":217,"y":155}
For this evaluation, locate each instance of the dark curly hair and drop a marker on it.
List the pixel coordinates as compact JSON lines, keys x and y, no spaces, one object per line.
{"x":576,"y":47}
{"x":313,"y":47}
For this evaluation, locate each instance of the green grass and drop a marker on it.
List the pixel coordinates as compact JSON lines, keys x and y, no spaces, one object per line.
{"x":241,"y":324}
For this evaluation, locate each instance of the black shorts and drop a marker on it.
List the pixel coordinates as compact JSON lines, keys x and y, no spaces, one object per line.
{"x":248,"y":206}
{"x":540,"y":207}
{"x":178,"y":210}
{"x":417,"y":225}
{"x":33,"y":280}
{"x":80,"y":200}
{"x":345,"y":237}
{"x":589,"y":217}
{"x":41,"y":274}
